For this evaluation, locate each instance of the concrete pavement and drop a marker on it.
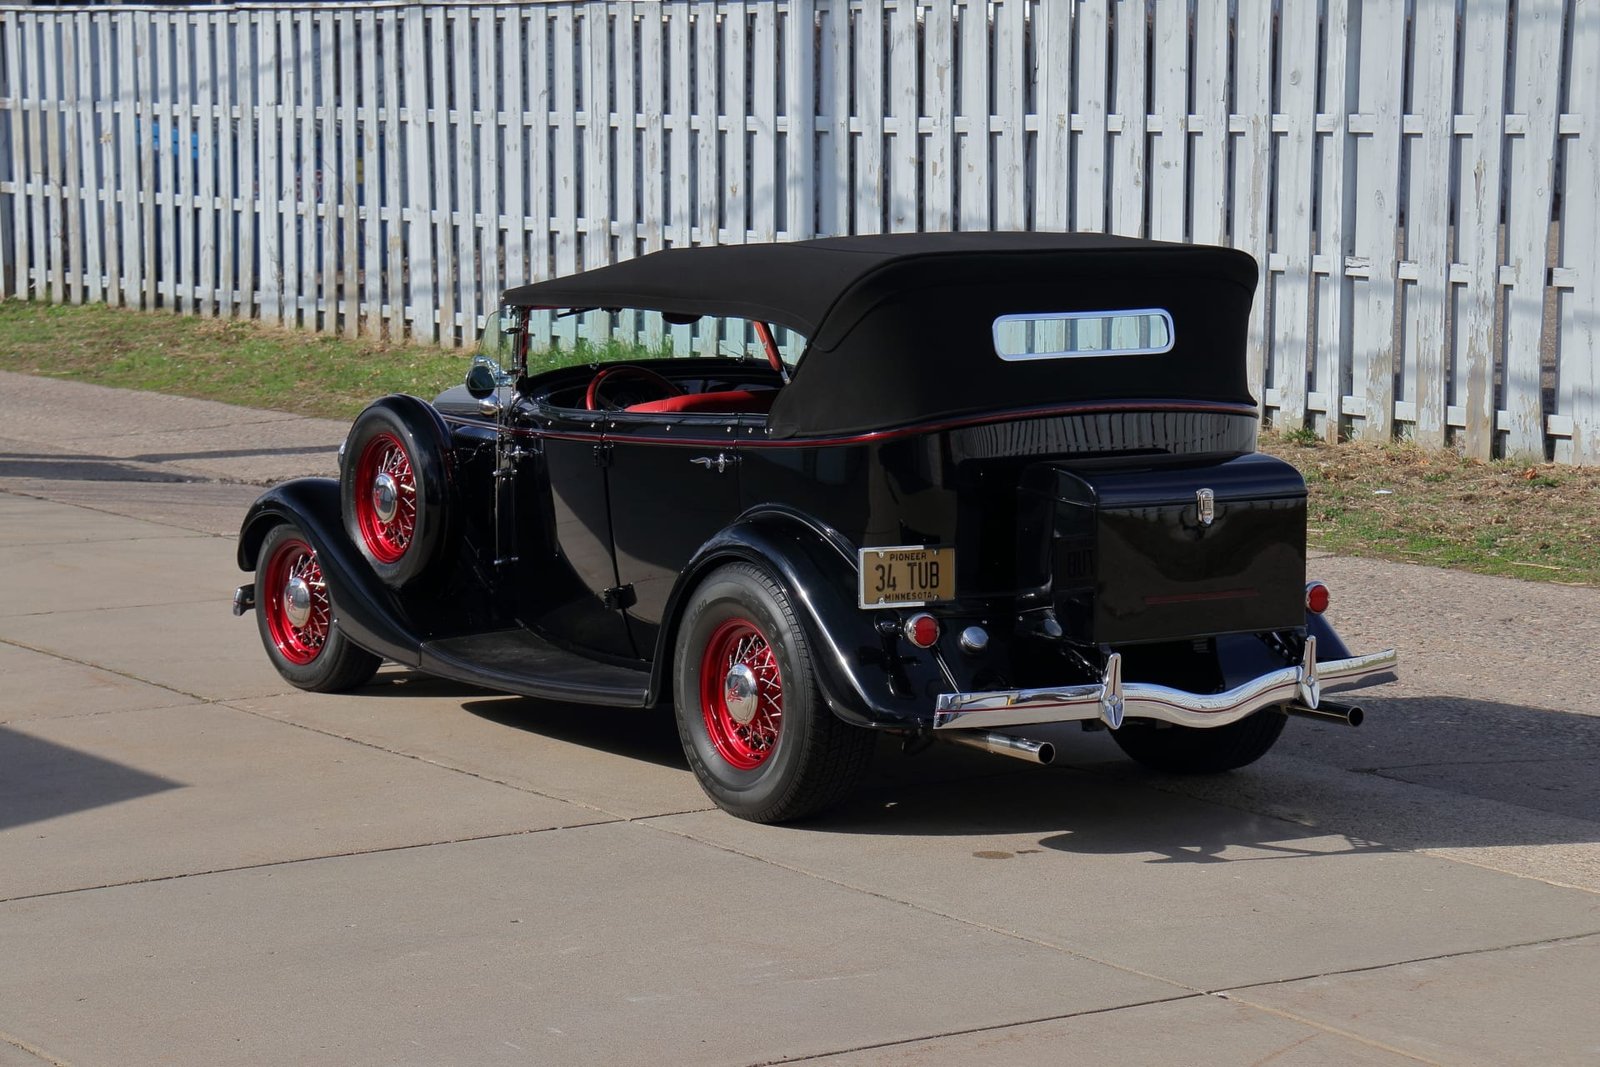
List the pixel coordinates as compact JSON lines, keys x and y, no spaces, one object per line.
{"x":199,"y":864}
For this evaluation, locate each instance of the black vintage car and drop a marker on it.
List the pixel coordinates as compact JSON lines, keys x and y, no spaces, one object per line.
{"x":940,"y":485}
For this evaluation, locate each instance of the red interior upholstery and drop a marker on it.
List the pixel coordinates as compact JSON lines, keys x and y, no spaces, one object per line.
{"x":734,"y":400}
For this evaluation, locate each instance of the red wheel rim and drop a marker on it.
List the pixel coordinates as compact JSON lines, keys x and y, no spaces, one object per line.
{"x":294,"y":596}
{"x":385,"y":491}
{"x":741,"y":694}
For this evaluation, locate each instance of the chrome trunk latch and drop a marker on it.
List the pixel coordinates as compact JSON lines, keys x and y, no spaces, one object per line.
{"x":1205,"y":505}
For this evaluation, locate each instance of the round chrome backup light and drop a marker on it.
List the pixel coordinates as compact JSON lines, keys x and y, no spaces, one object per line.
{"x":921,"y":630}
{"x":974,"y":640}
{"x":1317,"y":597}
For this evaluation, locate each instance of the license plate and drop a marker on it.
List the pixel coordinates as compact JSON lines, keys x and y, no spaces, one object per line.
{"x":906,"y":576}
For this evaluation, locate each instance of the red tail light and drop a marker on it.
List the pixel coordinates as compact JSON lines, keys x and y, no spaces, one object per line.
{"x":1317,"y":598}
{"x":922,"y":630}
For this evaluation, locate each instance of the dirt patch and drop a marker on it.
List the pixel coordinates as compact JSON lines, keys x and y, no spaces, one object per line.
{"x":1418,"y":505}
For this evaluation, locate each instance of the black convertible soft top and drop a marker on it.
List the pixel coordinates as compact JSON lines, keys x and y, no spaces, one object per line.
{"x":899,"y":325}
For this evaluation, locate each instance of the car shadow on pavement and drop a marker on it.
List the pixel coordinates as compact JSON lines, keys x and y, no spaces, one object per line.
{"x":1527,"y":756}
{"x":1423,"y":772}
{"x":41,"y":780}
{"x":647,"y":734}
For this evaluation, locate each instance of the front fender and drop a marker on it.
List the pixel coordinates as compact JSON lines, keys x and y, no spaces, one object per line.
{"x":819,"y":574}
{"x":365,"y":609}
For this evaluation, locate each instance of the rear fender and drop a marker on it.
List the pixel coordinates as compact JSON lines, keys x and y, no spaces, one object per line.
{"x":818,"y":572}
{"x":365,"y":609}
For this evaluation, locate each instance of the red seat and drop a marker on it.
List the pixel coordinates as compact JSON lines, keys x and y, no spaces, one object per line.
{"x":734,"y":401}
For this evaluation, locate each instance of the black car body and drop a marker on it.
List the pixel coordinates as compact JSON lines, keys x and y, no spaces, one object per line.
{"x":1010,"y":481}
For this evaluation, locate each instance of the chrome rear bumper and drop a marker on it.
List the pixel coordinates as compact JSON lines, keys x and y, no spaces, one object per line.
{"x":1111,"y":701}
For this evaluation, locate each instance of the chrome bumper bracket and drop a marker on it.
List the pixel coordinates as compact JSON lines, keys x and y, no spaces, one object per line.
{"x":1113,"y":701}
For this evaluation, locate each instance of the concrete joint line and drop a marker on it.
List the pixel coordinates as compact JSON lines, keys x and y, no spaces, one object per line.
{"x":118,"y":514}
{"x":32,"y":1050}
{"x":1188,"y":990}
{"x":610,"y":816}
{"x":1229,"y":991}
{"x":95,"y":666}
{"x":1327,"y":1029}
{"x":813,"y":1056}
{"x":351,"y":854}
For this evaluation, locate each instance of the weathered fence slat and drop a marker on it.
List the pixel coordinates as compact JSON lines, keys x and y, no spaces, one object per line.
{"x":1428,"y":222}
{"x":1290,"y":278}
{"x":1169,"y":179}
{"x":1093,"y":90}
{"x":1331,"y":331}
{"x":1532,"y":167}
{"x":348,"y":257}
{"x":17,"y":92}
{"x":1208,"y":177}
{"x":763,"y":43}
{"x":1010,"y":210}
{"x":1382,"y":30}
{"x":1580,"y":378}
{"x":1251,"y":189}
{"x":385,"y":170}
{"x":972,"y":122}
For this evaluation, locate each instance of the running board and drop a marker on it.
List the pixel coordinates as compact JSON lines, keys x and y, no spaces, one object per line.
{"x":516,"y":661}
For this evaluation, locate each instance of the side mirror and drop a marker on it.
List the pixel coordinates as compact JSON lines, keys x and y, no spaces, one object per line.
{"x":481,"y":381}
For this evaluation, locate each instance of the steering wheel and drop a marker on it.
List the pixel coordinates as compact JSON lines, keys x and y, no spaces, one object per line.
{"x":610,"y":375}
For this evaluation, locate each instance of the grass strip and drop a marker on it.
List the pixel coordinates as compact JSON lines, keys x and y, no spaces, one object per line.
{"x":1396,"y":501}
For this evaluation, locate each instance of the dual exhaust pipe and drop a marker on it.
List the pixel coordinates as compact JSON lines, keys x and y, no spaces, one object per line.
{"x":1040,"y":752}
{"x":1328,"y":711}
{"x":1044,"y":753}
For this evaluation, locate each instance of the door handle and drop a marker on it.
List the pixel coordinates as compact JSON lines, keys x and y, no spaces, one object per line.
{"x":720,"y":463}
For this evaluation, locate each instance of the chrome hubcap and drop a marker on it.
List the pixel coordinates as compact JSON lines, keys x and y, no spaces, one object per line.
{"x":385,"y":496}
{"x":297,"y":601}
{"x":739,"y":690}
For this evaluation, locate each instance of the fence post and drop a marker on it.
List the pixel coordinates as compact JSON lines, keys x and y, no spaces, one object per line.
{"x":1580,"y":345}
{"x":8,"y":174}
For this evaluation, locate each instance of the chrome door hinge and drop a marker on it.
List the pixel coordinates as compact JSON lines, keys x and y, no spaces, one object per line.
{"x":602,"y":454}
{"x":719,"y":463}
{"x":619,"y":598}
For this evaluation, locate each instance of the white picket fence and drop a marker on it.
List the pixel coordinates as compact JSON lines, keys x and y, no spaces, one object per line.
{"x":1419,"y":178}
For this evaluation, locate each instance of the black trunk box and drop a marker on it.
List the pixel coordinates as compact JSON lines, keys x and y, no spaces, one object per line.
{"x":1131,"y":558}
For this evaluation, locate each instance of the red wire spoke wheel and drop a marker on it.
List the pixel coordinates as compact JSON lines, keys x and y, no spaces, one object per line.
{"x":296,"y":619}
{"x":741,"y":694}
{"x":386,"y":498}
{"x":394,"y":492}
{"x":756,"y":729}
{"x":298,"y":612}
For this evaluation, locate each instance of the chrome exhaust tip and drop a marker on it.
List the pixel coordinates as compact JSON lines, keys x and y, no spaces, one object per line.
{"x":1329,"y":711}
{"x":1040,"y":752}
{"x":244,"y":599}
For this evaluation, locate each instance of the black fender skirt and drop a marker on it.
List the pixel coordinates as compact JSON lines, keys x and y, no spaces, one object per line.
{"x":366,"y":610}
